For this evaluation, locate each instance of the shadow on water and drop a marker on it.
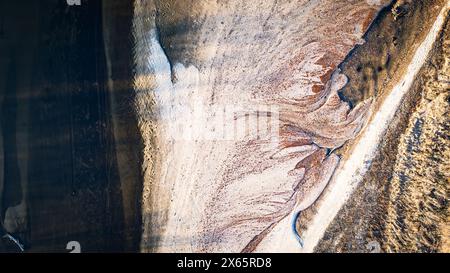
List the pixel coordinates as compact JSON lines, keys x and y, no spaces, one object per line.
{"x":69,"y":162}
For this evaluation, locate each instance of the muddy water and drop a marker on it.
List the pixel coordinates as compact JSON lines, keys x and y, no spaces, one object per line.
{"x":63,"y":148}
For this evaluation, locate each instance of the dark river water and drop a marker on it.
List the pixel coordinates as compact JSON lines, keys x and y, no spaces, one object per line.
{"x":69,"y":164}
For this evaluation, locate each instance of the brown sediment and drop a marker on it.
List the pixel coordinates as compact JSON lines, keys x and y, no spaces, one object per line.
{"x":402,"y":203}
{"x":418,"y":209}
{"x":372,"y":68}
{"x":241,"y":54}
